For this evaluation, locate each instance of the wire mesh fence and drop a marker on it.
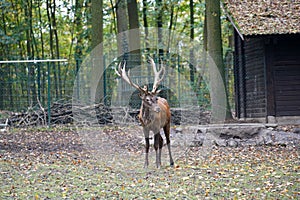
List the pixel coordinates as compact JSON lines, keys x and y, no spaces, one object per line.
{"x":30,"y":85}
{"x":40,"y":85}
{"x":27,"y":83}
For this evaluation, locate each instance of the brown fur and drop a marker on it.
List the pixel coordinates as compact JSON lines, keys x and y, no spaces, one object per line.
{"x":154,"y":113}
{"x":152,"y":120}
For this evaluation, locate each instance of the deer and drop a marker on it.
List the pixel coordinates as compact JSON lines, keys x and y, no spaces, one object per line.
{"x":154,"y":113}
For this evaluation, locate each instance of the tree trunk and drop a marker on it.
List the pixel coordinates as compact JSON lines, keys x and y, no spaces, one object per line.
{"x":53,"y":67}
{"x":78,"y":29}
{"x":147,"y":42}
{"x":97,"y":22}
{"x":192,"y":36}
{"x":122,"y":24}
{"x":145,"y":21}
{"x":97,"y":51}
{"x":134,"y":34}
{"x":32,"y":95}
{"x":216,"y":65}
{"x":42,"y":53}
{"x":204,"y":54}
{"x":53,"y":17}
{"x":173,"y":18}
{"x":159,"y":21}
{"x":41,"y":29}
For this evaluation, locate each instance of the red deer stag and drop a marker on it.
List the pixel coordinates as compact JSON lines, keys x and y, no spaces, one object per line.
{"x":154,"y":112}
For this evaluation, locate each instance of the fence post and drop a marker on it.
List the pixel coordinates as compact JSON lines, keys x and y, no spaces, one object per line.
{"x":39,"y":81}
{"x":49,"y":94}
{"x":77,"y":78}
{"x":178,"y":84}
{"x":104,"y":81}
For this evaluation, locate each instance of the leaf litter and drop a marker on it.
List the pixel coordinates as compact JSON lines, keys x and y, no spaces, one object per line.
{"x":58,"y":163}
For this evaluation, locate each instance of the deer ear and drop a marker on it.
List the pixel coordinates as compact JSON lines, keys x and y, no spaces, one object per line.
{"x":145,"y":88}
{"x":141,"y":95}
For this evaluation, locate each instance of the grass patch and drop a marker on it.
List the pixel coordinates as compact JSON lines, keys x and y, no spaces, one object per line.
{"x":29,"y":171}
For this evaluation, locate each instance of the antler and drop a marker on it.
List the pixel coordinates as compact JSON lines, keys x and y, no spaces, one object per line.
{"x":122,"y":73}
{"x":158,"y":76}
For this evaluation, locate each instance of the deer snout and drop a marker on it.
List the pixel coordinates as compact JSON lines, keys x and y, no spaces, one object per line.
{"x":157,"y":109}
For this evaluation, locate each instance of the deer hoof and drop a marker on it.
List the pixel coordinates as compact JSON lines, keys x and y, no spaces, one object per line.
{"x":145,"y":165}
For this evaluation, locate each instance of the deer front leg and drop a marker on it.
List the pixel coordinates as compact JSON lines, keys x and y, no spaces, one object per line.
{"x":146,"y":152}
{"x":158,"y":144}
{"x":147,"y":146}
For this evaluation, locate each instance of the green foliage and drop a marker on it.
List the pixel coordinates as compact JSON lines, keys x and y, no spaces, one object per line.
{"x":62,"y":29}
{"x":73,"y":25}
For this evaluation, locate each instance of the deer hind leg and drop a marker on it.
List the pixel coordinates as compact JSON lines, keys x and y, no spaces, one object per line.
{"x":167,"y":134}
{"x":158,"y":144}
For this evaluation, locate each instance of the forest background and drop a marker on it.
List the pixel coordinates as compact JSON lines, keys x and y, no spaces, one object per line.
{"x":71,"y":29}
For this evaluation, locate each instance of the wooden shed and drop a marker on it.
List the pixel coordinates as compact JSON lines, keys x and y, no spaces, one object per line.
{"x":267,"y":58}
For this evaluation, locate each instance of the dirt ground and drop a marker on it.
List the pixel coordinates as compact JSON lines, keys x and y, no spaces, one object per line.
{"x":107,"y":162}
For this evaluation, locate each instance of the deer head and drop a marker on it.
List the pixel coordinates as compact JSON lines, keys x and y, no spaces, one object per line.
{"x":149,"y":98}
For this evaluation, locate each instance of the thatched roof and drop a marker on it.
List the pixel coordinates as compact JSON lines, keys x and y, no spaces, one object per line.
{"x":252,"y":17}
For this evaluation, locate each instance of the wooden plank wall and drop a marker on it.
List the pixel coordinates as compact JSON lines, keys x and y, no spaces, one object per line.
{"x":286,"y":70}
{"x":283,"y":71}
{"x":255,"y":77}
{"x":250,"y":77}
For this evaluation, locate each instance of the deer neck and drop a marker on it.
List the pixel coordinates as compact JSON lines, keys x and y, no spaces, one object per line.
{"x":147,"y":115}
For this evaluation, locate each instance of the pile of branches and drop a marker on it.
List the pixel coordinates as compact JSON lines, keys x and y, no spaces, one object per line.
{"x":62,"y":112}
{"x":91,"y":114}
